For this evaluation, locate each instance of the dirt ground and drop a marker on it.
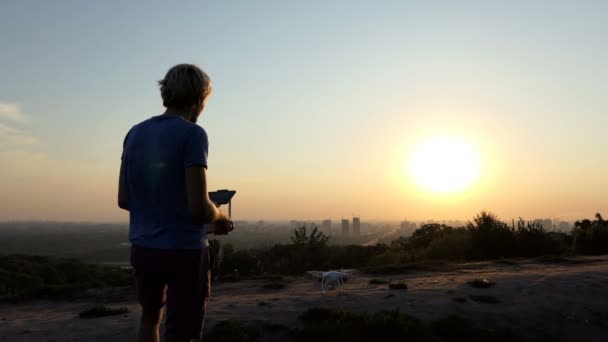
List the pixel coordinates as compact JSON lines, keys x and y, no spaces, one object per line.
{"x":566,"y":298}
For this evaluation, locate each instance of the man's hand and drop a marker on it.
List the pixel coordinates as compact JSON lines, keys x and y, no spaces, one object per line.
{"x":223,"y":225}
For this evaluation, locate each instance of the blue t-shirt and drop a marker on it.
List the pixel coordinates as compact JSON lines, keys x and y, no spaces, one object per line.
{"x":156,"y":153}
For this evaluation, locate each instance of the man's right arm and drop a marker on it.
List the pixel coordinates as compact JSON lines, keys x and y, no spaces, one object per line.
{"x":195,"y":165}
{"x":199,"y":204}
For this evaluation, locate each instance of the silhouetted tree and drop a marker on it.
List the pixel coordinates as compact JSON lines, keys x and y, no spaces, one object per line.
{"x":315,"y":238}
{"x":591,"y":237}
{"x":490,"y":237}
{"x":422,"y":237}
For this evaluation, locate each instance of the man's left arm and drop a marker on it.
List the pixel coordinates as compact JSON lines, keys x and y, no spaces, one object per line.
{"x":123,"y":196}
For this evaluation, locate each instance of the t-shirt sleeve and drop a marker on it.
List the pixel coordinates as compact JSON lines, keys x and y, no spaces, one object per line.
{"x":124,"y":146}
{"x":196,"y":148}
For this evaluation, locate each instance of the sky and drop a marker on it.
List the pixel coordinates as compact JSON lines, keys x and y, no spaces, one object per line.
{"x":317,"y":105}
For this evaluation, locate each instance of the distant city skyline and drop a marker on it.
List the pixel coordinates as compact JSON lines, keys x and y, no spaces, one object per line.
{"x":318,"y":107}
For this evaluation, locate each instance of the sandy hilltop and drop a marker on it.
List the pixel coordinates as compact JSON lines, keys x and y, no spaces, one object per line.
{"x":562,"y":297}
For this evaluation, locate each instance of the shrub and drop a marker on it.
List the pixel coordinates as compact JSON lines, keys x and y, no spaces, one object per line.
{"x":481,"y":283}
{"x":386,"y":258}
{"x":423,"y":236}
{"x":451,"y":244}
{"x":491,"y":238}
{"x":532,"y":240}
{"x":485,"y":237}
{"x":298,"y":258}
{"x":591,"y":237}
{"x":24,"y":277}
{"x":397,"y":285}
{"x":244,"y":262}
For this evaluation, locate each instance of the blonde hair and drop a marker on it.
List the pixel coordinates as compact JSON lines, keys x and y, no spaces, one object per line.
{"x":184,"y":85}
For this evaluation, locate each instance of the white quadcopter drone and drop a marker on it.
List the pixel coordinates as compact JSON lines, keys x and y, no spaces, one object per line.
{"x":332,"y":280}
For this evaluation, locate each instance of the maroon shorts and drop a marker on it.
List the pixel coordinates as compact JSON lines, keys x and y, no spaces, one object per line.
{"x":181,"y":279}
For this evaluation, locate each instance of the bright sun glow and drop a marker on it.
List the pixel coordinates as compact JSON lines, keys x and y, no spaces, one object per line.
{"x":444,"y":165}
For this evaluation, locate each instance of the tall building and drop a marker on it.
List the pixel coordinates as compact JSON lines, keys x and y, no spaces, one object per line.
{"x":345,"y":227}
{"x":564,"y":226}
{"x":546,"y":223}
{"x":356,"y":226}
{"x":326,"y":226}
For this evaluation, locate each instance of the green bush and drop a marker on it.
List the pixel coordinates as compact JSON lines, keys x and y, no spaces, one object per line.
{"x":533,"y":240}
{"x":491,"y":238}
{"x":244,"y":262}
{"x":591,"y":236}
{"x":386,"y":258}
{"x":23,"y":276}
{"x":423,"y":236}
{"x":297,"y":259}
{"x":452,"y":244}
{"x":485,"y":237}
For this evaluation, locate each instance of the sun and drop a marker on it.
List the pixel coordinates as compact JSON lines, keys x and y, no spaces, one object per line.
{"x":444,"y":164}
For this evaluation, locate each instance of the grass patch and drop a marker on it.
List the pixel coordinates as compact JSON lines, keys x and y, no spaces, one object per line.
{"x":102,"y":311}
{"x":232,"y":331}
{"x":397,"y":285}
{"x":485,"y":299}
{"x":481,"y":283}
{"x":455,"y":328}
{"x":324,"y":324}
{"x":379,"y":281}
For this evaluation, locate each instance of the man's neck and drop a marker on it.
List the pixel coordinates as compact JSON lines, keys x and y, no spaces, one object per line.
{"x":181,"y":112}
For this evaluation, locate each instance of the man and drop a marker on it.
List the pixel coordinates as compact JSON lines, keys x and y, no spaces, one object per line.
{"x":163,"y":185}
